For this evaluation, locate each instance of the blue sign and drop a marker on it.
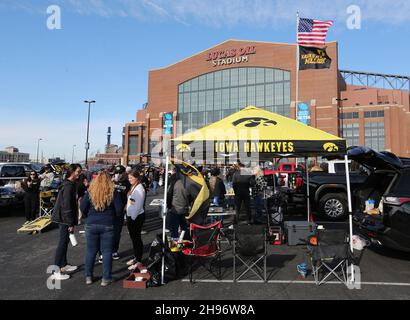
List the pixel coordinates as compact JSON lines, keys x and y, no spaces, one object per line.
{"x":303,"y":113}
{"x":168,"y":123}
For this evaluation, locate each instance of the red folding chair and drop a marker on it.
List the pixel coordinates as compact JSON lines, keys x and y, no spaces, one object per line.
{"x":205,"y":245}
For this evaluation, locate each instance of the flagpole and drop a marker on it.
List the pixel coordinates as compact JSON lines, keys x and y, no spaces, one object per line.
{"x":297,"y":104}
{"x":297,"y":63}
{"x":297,"y":70}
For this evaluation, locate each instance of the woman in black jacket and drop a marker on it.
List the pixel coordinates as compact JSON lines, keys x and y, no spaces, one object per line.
{"x":31,"y":186}
{"x":101,"y":205}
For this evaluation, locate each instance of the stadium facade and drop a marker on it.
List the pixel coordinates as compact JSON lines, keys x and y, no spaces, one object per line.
{"x":219,"y":81}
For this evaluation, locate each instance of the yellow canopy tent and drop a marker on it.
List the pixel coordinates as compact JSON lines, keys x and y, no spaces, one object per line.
{"x":255,"y":131}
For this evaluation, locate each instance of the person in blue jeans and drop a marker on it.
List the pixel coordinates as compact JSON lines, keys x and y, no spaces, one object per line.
{"x":217,"y":189}
{"x":101,"y":205}
{"x":155,"y":180}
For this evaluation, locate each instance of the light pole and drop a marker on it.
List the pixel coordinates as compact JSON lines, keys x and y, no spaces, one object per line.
{"x":72,"y":155}
{"x":341,"y":115}
{"x":38,"y":147}
{"x":87,"y":144}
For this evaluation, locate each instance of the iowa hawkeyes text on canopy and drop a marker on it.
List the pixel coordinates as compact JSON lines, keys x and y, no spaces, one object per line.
{"x":262,"y":147}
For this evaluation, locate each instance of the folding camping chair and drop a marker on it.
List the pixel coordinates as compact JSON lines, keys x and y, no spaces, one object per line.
{"x":47,"y":200}
{"x":205,"y":244}
{"x":330,"y":255}
{"x":251,"y":250}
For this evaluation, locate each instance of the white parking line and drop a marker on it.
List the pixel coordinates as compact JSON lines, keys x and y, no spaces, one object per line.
{"x":398,"y":284}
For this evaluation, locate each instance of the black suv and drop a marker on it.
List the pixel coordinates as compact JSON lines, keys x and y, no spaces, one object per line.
{"x":389,"y":185}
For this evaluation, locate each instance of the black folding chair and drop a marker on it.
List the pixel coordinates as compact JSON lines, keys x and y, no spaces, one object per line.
{"x":249,"y":247}
{"x":205,"y":244}
{"x":330,"y":255}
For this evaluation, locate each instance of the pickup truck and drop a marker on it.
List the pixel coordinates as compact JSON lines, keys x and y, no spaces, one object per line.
{"x":328,"y":192}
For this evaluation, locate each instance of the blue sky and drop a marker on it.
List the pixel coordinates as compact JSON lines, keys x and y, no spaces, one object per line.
{"x":106,"y":48}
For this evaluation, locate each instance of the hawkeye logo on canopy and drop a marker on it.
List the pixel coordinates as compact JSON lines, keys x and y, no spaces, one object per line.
{"x":183,"y":147}
{"x":330,"y":147}
{"x":252,"y":122}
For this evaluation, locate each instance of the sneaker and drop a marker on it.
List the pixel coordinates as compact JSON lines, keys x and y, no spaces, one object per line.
{"x":115,"y":256}
{"x":141,"y":268}
{"x":26,"y":223}
{"x":100,"y":260}
{"x":88,"y":281}
{"x":105,"y":283}
{"x":69,"y":268}
{"x":143,"y":232}
{"x":134,"y":266}
{"x":131,"y":262}
{"x":60,"y":276}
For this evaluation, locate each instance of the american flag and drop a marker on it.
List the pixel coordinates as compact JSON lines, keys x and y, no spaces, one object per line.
{"x":313,"y":32}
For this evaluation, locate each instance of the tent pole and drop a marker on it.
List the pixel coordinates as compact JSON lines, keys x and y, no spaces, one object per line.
{"x":349,"y":200}
{"x":307,"y":189}
{"x":164,"y":217}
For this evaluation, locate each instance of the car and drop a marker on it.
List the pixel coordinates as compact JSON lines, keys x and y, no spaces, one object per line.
{"x":388,"y":186}
{"x":9,"y":196}
{"x":11,"y":176}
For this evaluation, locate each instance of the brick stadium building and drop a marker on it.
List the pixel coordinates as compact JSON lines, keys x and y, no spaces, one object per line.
{"x":212,"y":84}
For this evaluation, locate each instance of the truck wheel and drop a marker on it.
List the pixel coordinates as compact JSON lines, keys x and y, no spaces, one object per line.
{"x":333,"y":206}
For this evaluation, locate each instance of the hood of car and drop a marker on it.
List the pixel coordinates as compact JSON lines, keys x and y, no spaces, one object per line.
{"x":375,"y":160}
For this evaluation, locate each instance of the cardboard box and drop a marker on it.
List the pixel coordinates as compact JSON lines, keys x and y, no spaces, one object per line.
{"x":130,"y":282}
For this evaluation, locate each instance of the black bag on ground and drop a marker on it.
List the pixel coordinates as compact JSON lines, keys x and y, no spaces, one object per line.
{"x":175,"y":265}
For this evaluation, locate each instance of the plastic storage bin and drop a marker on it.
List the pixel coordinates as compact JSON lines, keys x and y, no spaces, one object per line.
{"x":297,"y":232}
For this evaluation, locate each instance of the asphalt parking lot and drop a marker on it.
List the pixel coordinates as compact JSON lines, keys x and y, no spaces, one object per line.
{"x":24,"y":259}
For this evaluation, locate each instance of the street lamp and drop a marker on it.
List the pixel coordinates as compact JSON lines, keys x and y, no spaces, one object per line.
{"x":87,"y":144}
{"x":341,"y":116}
{"x":38,"y":146}
{"x":72,"y":155}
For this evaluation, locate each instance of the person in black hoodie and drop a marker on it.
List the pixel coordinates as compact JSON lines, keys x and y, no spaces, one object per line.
{"x":241,"y":182}
{"x":217,"y":187}
{"x":31,"y":186}
{"x":65,"y":214}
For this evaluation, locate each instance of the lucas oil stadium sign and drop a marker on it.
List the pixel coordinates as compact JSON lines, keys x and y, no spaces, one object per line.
{"x":231,"y":56}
